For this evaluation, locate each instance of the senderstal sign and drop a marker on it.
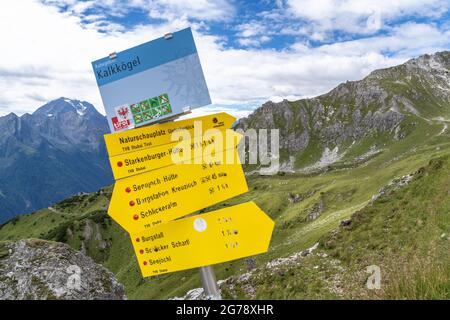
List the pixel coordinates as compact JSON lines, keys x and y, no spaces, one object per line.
{"x":152,"y":81}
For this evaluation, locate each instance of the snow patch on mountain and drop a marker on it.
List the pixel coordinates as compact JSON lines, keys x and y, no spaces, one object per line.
{"x":79,"y":107}
{"x":328,"y":157}
{"x":82,"y":109}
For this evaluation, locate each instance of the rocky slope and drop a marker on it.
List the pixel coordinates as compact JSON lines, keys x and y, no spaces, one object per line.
{"x":37,"y":269}
{"x":357,"y":119}
{"x":51,"y":154}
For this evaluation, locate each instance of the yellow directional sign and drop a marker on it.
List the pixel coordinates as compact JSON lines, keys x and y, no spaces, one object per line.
{"x":160,"y":134}
{"x":144,"y":160}
{"x":143,"y":201}
{"x":223,"y":235}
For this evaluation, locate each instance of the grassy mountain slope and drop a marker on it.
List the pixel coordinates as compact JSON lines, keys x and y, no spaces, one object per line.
{"x":327,"y":198}
{"x":405,"y":232}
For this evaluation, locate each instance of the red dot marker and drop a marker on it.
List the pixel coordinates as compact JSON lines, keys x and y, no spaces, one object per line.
{"x":119,"y":164}
{"x":128,"y":190}
{"x":131,"y":203}
{"x":137,"y":239}
{"x":141,"y":251}
{"x":145,"y":263}
{"x":135,"y":217}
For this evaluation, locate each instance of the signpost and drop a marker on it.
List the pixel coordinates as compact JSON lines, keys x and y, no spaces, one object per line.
{"x":201,"y":240}
{"x":160,"y":134}
{"x":144,"y":160}
{"x":143,"y":201}
{"x":168,"y":170}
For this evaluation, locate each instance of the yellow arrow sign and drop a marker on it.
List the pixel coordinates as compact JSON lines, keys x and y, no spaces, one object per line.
{"x":160,"y":134}
{"x":133,"y":163}
{"x":143,"y":201}
{"x":223,"y":235}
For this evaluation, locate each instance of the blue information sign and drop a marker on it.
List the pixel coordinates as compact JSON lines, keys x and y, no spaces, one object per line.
{"x":152,"y":81}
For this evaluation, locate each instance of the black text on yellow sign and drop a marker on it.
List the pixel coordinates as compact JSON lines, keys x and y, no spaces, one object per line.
{"x":219,"y":236}
{"x":200,"y":149}
{"x":160,"y":134}
{"x":143,"y":201}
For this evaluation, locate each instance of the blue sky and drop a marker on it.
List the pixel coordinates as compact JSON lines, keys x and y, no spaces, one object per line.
{"x":251,"y":51}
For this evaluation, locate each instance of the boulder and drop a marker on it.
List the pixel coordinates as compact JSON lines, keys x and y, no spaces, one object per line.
{"x":35,"y":269}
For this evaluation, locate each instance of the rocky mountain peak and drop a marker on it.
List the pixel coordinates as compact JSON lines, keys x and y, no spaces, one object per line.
{"x":65,"y":105}
{"x":348,"y":121}
{"x":11,"y":116}
{"x":59,"y":146}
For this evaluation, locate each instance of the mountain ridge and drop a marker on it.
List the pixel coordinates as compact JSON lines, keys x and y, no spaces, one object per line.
{"x":55,"y":152}
{"x":386,"y":105}
{"x":351,"y":206}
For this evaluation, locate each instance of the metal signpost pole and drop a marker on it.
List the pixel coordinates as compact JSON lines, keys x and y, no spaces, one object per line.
{"x":209,"y":283}
{"x":207,"y":276}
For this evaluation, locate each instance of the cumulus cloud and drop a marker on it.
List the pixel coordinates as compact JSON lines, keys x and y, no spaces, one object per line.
{"x":252,"y":34}
{"x":49,"y":53}
{"x":408,"y":39}
{"x":362,"y":16}
{"x":205,"y":10}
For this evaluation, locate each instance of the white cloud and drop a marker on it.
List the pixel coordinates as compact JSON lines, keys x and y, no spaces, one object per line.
{"x":253,"y":42}
{"x":199,"y":9}
{"x":251,"y":29}
{"x":248,"y":42}
{"x":48,"y":55}
{"x":237,"y":112}
{"x":330,"y":9}
{"x":252,"y":34}
{"x":205,"y":10}
{"x":407,"y":40}
{"x":361,"y":16}
{"x":289,"y":98}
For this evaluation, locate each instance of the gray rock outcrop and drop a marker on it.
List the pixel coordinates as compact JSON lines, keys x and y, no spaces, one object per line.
{"x":38,"y":270}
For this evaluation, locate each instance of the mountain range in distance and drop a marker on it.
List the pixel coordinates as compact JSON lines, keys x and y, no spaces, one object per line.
{"x":55,"y":152}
